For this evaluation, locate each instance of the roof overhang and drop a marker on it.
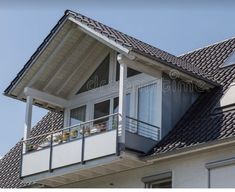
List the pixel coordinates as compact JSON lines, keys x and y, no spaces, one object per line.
{"x":219,"y":143}
{"x":66,"y":32}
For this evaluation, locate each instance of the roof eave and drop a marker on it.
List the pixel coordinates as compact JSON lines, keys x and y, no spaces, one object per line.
{"x":191,"y":149}
{"x":35,"y":54}
{"x":211,"y":84}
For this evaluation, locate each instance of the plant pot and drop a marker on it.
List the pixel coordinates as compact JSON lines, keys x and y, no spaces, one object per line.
{"x":29,"y":147}
{"x":65,"y":137}
{"x":74,"y":134}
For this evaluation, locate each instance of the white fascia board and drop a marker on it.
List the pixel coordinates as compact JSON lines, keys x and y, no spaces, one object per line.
{"x":38,"y":55}
{"x":190,"y":150}
{"x":45,"y":97}
{"x":105,"y":40}
{"x":163,"y":67}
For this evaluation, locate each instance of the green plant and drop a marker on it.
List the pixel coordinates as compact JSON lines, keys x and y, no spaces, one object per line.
{"x":74,"y":133}
{"x":29,"y":147}
{"x":65,"y":136}
{"x":57,"y":138}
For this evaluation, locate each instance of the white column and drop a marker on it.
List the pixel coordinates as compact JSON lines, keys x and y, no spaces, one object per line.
{"x":66,"y":117}
{"x":122,"y":102}
{"x":28,"y":119}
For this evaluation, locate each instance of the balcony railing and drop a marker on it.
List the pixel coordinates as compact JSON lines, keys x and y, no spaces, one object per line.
{"x":143,"y":128}
{"x":72,"y":145}
{"x":72,"y":133}
{"x":79,"y":143}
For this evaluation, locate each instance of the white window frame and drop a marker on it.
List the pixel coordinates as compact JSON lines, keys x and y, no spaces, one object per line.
{"x":158,"y":178}
{"x":110,"y":91}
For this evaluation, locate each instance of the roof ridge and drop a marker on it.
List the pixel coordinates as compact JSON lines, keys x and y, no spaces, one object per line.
{"x":207,"y":46}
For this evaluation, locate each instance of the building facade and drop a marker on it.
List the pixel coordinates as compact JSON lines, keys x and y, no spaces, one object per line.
{"x":123,"y":113}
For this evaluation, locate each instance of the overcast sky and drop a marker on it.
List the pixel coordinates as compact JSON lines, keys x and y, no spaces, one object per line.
{"x":174,"y":26}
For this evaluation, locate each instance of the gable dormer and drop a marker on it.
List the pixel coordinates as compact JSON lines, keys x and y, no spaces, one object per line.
{"x":111,"y":90}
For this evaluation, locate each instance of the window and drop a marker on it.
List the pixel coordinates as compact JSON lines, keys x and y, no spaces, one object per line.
{"x":128,"y":103}
{"x":100,"y":110}
{"x":77,"y":115}
{"x":130,"y":72}
{"x":99,"y":78}
{"x":163,"y":180}
{"x":230,"y":60}
{"x":147,"y":110}
{"x":165,"y":183}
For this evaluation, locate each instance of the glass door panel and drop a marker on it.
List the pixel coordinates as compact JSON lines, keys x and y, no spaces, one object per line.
{"x":147,"y":110}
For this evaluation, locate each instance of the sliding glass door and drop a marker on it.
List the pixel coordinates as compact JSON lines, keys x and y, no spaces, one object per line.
{"x":78,"y":115}
{"x":147,"y":110}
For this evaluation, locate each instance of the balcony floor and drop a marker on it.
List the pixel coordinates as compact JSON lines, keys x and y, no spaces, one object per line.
{"x":92,"y":169}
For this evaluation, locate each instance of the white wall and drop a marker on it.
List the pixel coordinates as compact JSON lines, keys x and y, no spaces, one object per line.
{"x":222,"y":177}
{"x":187,"y":171}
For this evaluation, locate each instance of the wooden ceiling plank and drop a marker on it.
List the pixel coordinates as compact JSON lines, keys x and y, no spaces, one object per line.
{"x":48,"y":61}
{"x":91,"y":50}
{"x":74,"y":50}
{"x":91,"y":64}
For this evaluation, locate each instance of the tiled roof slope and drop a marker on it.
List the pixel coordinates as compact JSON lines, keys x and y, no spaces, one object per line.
{"x":141,"y":47}
{"x":10,"y":163}
{"x":126,"y":41}
{"x":200,"y":124}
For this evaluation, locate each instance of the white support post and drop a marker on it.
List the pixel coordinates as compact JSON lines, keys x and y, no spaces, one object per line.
{"x":122,"y":103}
{"x":28,"y":120}
{"x":66,"y":117}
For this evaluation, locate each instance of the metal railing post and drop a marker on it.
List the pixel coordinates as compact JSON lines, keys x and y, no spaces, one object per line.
{"x":51,"y":150}
{"x":83,"y":144}
{"x":117,"y":142}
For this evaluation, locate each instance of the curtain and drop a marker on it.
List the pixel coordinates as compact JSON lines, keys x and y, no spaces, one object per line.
{"x":147,"y":110}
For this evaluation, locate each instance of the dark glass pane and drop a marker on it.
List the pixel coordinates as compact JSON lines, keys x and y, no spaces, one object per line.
{"x":100,"y":110}
{"x":166,"y":184}
{"x":128,"y":104}
{"x":99,"y":78}
{"x":130,"y":72}
{"x":115,"y":105}
{"x":77,"y":115}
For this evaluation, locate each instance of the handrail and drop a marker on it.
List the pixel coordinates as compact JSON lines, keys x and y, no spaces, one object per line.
{"x":143,"y":122}
{"x":142,"y":128}
{"x":69,"y":127}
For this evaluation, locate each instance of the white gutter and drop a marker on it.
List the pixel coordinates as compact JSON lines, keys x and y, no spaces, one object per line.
{"x":190,"y":150}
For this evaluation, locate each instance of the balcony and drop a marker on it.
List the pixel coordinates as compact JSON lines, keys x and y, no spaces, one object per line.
{"x":88,"y":150}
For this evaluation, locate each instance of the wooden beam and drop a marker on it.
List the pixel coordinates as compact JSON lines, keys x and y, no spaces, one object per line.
{"x":48,"y":61}
{"x":45,"y":97}
{"x":90,"y":64}
{"x":94,"y":44}
{"x":78,"y":72}
{"x":42,"y":50}
{"x":142,"y":67}
{"x":76,"y":53}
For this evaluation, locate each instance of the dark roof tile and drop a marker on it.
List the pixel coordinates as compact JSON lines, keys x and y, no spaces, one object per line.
{"x":126,"y":41}
{"x":199,"y":124}
{"x":10,"y":163}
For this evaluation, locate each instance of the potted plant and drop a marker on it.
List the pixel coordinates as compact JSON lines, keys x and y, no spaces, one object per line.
{"x":57,"y":138}
{"x":87,"y":131}
{"x":65,"y":136}
{"x":74,"y":133}
{"x":29,"y":147}
{"x":46,"y":142}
